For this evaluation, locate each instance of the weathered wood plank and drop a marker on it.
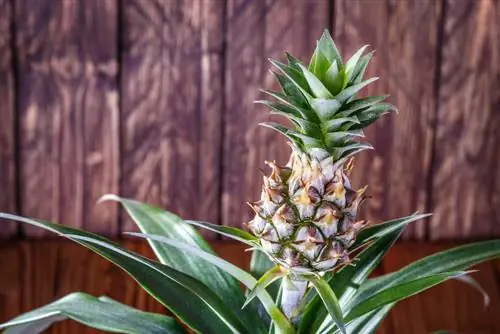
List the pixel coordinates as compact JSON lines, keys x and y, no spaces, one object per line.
{"x":172,"y":102}
{"x":7,"y":123}
{"x":466,"y":184}
{"x":68,"y":111}
{"x":396,"y":172}
{"x":12,"y":264}
{"x":257,"y":30}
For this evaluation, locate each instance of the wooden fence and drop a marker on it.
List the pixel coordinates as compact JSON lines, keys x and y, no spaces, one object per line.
{"x":153,"y":100}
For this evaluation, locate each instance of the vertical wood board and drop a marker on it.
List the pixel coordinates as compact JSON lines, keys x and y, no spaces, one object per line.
{"x":172,"y":102}
{"x":8,"y":171}
{"x":68,"y":98}
{"x":405,"y":60}
{"x":466,"y":171}
{"x":256,"y":31}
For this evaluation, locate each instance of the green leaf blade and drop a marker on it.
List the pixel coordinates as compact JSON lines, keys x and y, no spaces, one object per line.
{"x":264,"y":281}
{"x":100,"y":313}
{"x":170,"y":287}
{"x":399,"y":292}
{"x":330,"y":301}
{"x":153,"y":220}
{"x":248,"y":280}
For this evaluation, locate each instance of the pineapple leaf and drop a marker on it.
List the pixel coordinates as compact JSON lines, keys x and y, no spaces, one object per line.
{"x":319,"y":64}
{"x":339,"y":137}
{"x":205,"y":294}
{"x":283,"y":130}
{"x":292,"y":61}
{"x":315,"y":85}
{"x":183,"y":295}
{"x":458,"y":258}
{"x":291,"y":89}
{"x":351,"y":64}
{"x":336,"y":123}
{"x":259,"y":264}
{"x":325,"y":109}
{"x":327,"y":46}
{"x":295,"y":77}
{"x":301,"y":124}
{"x":350,"y":91}
{"x":361,"y":104}
{"x":360,"y":69}
{"x":377,"y":231}
{"x":282,"y":108}
{"x":399,"y":292}
{"x":307,"y":140}
{"x":467,"y":279}
{"x":368,"y":323}
{"x":227,"y":231}
{"x":334,"y":78}
{"x":264,"y":281}
{"x":305,"y":113}
{"x":349,"y":149}
{"x":101,"y":313}
{"x":234,"y":271}
{"x":156,"y":221}
{"x":330,"y":301}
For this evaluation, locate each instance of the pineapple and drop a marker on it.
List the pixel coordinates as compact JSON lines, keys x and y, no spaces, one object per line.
{"x":306,"y":217}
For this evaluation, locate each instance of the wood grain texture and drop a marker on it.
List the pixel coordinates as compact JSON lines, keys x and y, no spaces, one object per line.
{"x":466,"y":184}
{"x":257,"y":30}
{"x":172,"y":101}
{"x":67,"y":59}
{"x":397,"y":171}
{"x":11,"y":294}
{"x":7,"y":123}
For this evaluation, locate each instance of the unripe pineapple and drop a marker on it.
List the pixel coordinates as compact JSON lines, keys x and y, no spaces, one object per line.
{"x":306,"y":217}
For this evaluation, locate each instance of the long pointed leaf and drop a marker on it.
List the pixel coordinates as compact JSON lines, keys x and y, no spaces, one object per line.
{"x":399,"y":292}
{"x":153,"y":220}
{"x":330,"y":300}
{"x":234,"y":271}
{"x":368,"y":323}
{"x":346,"y":282}
{"x":100,"y":313}
{"x":185,"y":296}
{"x":379,"y":230}
{"x":267,"y":279}
{"x":228,"y":231}
{"x":259,"y":264}
{"x":455,"y":259}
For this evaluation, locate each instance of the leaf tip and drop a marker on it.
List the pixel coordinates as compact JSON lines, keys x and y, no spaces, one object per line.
{"x":108,"y":197}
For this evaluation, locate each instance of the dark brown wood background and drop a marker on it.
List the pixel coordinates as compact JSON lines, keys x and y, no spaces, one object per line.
{"x":152,"y":99}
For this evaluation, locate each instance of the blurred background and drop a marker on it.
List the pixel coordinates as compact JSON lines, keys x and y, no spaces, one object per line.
{"x":152,"y":100}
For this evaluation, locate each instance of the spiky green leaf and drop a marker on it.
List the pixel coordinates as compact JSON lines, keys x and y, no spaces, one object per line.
{"x":315,"y":85}
{"x":183,"y":295}
{"x":101,"y":313}
{"x":264,"y":281}
{"x":234,"y":271}
{"x":327,"y":46}
{"x":153,"y":220}
{"x":351,"y":91}
{"x":330,"y":301}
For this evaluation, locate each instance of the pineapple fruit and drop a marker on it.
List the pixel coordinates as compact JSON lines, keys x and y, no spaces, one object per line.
{"x":306,"y":217}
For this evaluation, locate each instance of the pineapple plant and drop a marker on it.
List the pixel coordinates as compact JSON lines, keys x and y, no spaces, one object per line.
{"x":311,"y":255}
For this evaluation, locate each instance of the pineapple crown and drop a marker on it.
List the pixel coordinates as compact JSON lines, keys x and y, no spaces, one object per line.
{"x":320,"y":101}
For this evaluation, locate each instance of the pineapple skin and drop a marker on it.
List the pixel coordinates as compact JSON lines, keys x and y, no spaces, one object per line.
{"x":306,"y":217}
